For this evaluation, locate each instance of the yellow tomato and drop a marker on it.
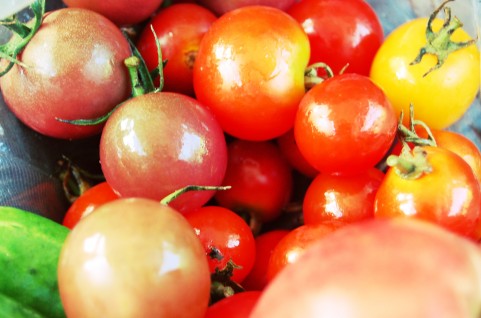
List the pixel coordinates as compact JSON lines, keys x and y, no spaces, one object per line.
{"x":440,"y":97}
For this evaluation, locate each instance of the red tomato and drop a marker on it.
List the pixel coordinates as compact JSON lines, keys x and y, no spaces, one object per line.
{"x":260,"y":180}
{"x":252,"y":79}
{"x":460,"y":145}
{"x":341,"y":198}
{"x":121,"y":12}
{"x":134,"y":258}
{"x":157,"y":143}
{"x":340,"y":33}
{"x":87,"y":202}
{"x":238,"y":305}
{"x":265,"y":244}
{"x":446,"y":193}
{"x":76,"y":71}
{"x":287,"y":145}
{"x":345,"y":125}
{"x":291,"y":247}
{"x":225,"y":237}
{"x":179,"y":29}
{"x":398,"y":268}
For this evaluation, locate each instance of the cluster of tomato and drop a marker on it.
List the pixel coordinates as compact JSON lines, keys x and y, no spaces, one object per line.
{"x":228,"y":120}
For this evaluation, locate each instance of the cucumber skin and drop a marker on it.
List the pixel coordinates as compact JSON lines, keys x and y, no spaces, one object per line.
{"x":30,"y":246}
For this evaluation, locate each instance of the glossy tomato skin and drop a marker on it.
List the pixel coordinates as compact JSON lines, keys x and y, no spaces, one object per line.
{"x":252,"y":80}
{"x":225,"y":237}
{"x":87,"y":202}
{"x":441,"y":97}
{"x":292,"y":246}
{"x":461,"y":145}
{"x":390,"y":268}
{"x":179,"y":28}
{"x":448,"y":196}
{"x":220,"y":6}
{"x":265,"y":244}
{"x":341,"y":198}
{"x":260,"y":178}
{"x":345,"y":124}
{"x":121,"y":12}
{"x":133,"y":258}
{"x":157,"y":143}
{"x":340,"y":33}
{"x":288,"y":146}
{"x":238,"y":305}
{"x":75,"y":71}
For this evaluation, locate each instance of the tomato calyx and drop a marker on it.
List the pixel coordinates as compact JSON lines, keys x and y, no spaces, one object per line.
{"x":439,"y":43}
{"x":412,"y":163}
{"x":22,"y":32}
{"x":222,"y":285}
{"x":312,"y":77}
{"x":75,"y":180}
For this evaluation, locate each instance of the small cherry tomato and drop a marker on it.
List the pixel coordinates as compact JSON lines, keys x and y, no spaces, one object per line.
{"x":251,"y":79}
{"x":179,"y":28}
{"x":287,"y":145}
{"x":87,"y":202}
{"x":293,"y":245}
{"x":341,"y":198}
{"x":265,"y":244}
{"x":133,"y":258}
{"x":341,"y":33}
{"x":460,"y":145}
{"x":260,"y":180}
{"x":441,"y":96}
{"x":226,"y":237}
{"x":75,"y":71}
{"x":345,"y":124}
{"x":155,"y":144}
{"x":432,"y":184}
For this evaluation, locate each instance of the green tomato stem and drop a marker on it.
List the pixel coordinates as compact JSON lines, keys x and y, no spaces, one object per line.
{"x":133,"y":63}
{"x":174,"y":195}
{"x":439,"y":43}
{"x":16,"y":27}
{"x":410,"y":165}
{"x":23,"y":33}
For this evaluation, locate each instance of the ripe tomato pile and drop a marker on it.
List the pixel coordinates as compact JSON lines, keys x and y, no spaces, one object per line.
{"x":258,"y":159}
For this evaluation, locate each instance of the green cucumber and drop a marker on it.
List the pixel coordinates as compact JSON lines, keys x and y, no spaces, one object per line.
{"x":30,"y":246}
